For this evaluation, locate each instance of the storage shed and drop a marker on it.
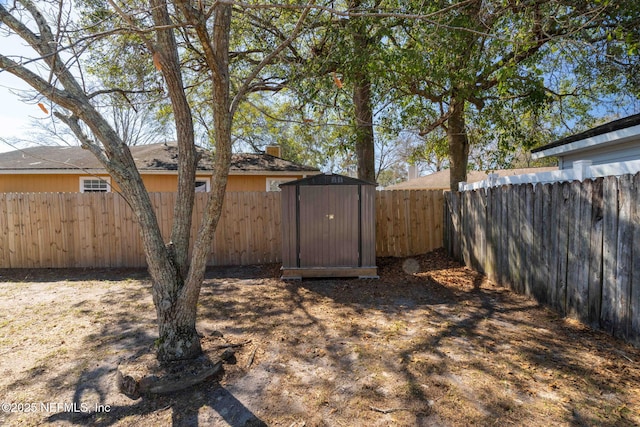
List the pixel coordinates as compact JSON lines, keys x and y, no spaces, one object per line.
{"x":328,"y":227}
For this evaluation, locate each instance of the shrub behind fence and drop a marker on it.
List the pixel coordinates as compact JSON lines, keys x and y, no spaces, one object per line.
{"x":573,"y":246}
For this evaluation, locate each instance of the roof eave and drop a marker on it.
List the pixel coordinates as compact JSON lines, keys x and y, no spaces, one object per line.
{"x":199,"y":172}
{"x":53,"y":172}
{"x":272,"y":172}
{"x":609,"y":138}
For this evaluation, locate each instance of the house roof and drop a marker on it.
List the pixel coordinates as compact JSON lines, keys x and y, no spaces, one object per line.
{"x":152,"y":158}
{"x":613,"y":132}
{"x":440,"y":180}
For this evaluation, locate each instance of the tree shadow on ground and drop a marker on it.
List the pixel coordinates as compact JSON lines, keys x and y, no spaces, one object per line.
{"x":518,"y":352}
{"x":440,"y":346}
{"x":127,"y":339}
{"x":203,"y":405}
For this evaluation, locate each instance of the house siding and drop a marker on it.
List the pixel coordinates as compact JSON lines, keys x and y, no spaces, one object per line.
{"x":254,"y":182}
{"x":27,"y":183}
{"x":623,"y":152}
{"x":70,"y":183}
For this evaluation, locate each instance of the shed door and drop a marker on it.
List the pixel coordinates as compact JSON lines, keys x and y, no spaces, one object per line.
{"x":329,"y":226}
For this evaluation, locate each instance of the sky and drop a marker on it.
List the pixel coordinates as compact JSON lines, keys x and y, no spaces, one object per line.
{"x":15,"y":115}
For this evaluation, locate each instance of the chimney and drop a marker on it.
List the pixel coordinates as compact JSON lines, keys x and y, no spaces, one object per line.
{"x":273,"y":150}
{"x":413,"y":172}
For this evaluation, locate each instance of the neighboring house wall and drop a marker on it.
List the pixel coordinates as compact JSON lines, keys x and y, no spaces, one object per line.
{"x":70,"y":183}
{"x":440,"y":180}
{"x":160,"y":183}
{"x":60,"y":170}
{"x":255,"y":182}
{"x":38,"y":183}
{"x":166,"y":183}
{"x":623,"y":152}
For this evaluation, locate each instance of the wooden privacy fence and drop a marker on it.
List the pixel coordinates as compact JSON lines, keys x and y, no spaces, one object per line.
{"x":408,"y":222}
{"x":100,"y":230}
{"x":43,"y":230}
{"x":573,"y":246}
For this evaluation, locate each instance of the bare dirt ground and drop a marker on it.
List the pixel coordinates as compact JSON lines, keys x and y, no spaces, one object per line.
{"x":440,"y":347}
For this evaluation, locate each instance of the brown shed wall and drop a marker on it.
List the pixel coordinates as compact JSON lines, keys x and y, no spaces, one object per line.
{"x":328,"y":230}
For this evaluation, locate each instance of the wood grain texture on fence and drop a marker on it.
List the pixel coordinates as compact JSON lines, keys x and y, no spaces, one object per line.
{"x":572,"y":246}
{"x":408,"y":222}
{"x":57,"y":230}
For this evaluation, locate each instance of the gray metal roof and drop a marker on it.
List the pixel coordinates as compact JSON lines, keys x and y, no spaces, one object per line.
{"x":152,"y":157}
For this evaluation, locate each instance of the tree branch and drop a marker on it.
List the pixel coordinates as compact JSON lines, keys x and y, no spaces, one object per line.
{"x":242,"y":91}
{"x":116,"y":90}
{"x":434,"y":125}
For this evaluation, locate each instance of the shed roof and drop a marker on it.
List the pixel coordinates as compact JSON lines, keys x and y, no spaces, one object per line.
{"x":440,"y":180}
{"x":160,"y":157}
{"x":328,"y":179}
{"x":614,"y":132}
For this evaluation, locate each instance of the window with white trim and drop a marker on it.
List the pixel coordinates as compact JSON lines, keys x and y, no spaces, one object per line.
{"x":95,"y":185}
{"x":273,"y":183}
{"x":203,"y":185}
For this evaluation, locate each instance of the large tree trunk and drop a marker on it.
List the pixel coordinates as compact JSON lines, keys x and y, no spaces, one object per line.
{"x":364,"y":144}
{"x":178,"y":338}
{"x":458,"y":144}
{"x":177,"y":335}
{"x":365,"y":148}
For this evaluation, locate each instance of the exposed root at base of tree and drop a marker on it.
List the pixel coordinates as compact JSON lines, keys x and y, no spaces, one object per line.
{"x":145,"y":375}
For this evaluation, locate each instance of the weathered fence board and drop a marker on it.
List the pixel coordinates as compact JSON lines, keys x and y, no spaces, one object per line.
{"x":527,"y":237}
{"x":537,"y":251}
{"x":504,"y":238}
{"x":608,"y":316}
{"x":634,"y":307}
{"x":595,"y":254}
{"x":580,"y":286}
{"x":573,"y":246}
{"x":623,"y":264}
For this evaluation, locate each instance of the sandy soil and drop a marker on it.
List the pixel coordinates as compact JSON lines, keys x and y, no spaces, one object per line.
{"x":430,"y":344}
